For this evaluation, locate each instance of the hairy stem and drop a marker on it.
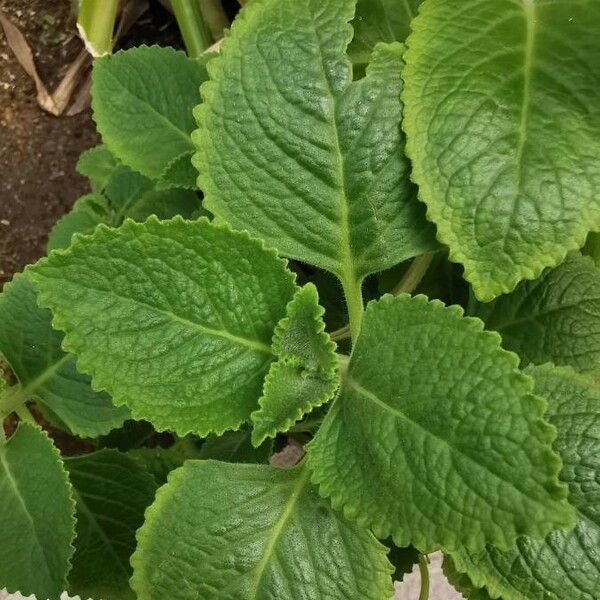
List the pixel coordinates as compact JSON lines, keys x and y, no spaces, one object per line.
{"x":341,"y":334}
{"x":424,"y":572}
{"x":194,"y":30}
{"x":354,"y":302}
{"x":415,"y":273}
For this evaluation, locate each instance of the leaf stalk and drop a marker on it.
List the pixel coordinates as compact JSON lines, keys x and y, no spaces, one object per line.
{"x":354,"y":302}
{"x":414,"y":275}
{"x":424,"y":572}
{"x":194,"y":29}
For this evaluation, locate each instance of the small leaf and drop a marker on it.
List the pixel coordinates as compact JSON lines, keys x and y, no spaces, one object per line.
{"x":305,"y":374}
{"x":142,"y":100}
{"x":179,"y":173}
{"x":87,"y":213}
{"x":380,"y":21}
{"x":567,"y":563}
{"x":555,"y":318}
{"x":97,"y":164}
{"x":432,"y":417}
{"x":292,"y":151}
{"x":504,"y":138}
{"x":112,"y":492}
{"x":183,"y":312}
{"x":235,"y":447}
{"x":45,"y":372}
{"x":219,"y":531}
{"x":36,"y":515}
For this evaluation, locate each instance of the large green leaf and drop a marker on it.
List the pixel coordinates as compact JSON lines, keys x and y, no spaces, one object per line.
{"x":380,"y":21}
{"x":36,"y":515}
{"x":565,"y":565}
{"x":112,"y":491}
{"x":503,"y":124}
{"x":292,"y":151}
{"x":305,"y":374}
{"x":45,"y":372}
{"x":248,"y":532}
{"x":554,"y":318}
{"x":173,"y":318}
{"x":435,"y":437}
{"x":142,"y":100}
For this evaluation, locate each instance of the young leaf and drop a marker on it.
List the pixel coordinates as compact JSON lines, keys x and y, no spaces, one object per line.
{"x":566,"y":564}
{"x":45,"y":372}
{"x":554,"y":318}
{"x":142,"y":100}
{"x":179,"y":173}
{"x":432,"y":417}
{"x":173,"y":318}
{"x":36,"y":515}
{"x":112,"y":491}
{"x":292,"y":151}
{"x":97,"y":164}
{"x":380,"y":21}
{"x":235,"y":447}
{"x":504,"y":138}
{"x":305,"y":374}
{"x":87,"y":213}
{"x":220,"y":531}
{"x":461,"y":582}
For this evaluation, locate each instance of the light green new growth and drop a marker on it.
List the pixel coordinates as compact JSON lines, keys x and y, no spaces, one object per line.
{"x":173,"y":318}
{"x":36,"y":515}
{"x":112,"y":492}
{"x":299,"y":155}
{"x":502,"y":116}
{"x":219,"y":531}
{"x":97,"y":164}
{"x":305,"y":374}
{"x":142,"y":100}
{"x":566,"y":564}
{"x":45,"y":372}
{"x":435,"y":437}
{"x":555,"y":318}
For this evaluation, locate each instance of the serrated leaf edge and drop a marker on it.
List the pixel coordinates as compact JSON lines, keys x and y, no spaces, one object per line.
{"x":351,"y":509}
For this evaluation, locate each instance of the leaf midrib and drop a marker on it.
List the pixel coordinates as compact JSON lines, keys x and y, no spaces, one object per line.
{"x":278,"y":528}
{"x":400,"y":415}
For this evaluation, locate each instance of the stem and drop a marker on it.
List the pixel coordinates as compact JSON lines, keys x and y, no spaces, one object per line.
{"x":96,"y":24}
{"x":194,"y":30}
{"x":24,"y":414}
{"x":11,"y":400}
{"x":354,"y":302}
{"x":415,"y":273}
{"x":424,"y":572}
{"x":341,"y":334}
{"x":215,"y":17}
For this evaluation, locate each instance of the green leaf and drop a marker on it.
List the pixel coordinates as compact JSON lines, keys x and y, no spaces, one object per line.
{"x":45,"y":372}
{"x":554,"y":318}
{"x":592,"y":247}
{"x":566,"y":564}
{"x":292,"y":151}
{"x":179,"y":173}
{"x":235,"y":447}
{"x":36,"y":515}
{"x":142,"y":100}
{"x":380,"y":21}
{"x":97,"y":164}
{"x":87,"y":213}
{"x":305,"y":374}
{"x":184,"y":312}
{"x":253,"y":532}
{"x":504,"y":138}
{"x":461,"y":582}
{"x":432,"y":417}
{"x":112,"y":491}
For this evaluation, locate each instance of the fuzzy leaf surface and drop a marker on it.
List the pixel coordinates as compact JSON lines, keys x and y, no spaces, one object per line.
{"x":112,"y":491}
{"x":142,"y":100}
{"x":555,"y":318}
{"x":45,"y":372}
{"x":305,"y":375}
{"x":253,"y":532}
{"x":97,"y":164}
{"x":36,"y":515}
{"x":566,"y":564}
{"x":433,"y":394}
{"x":173,"y":318}
{"x":502,"y":116}
{"x":290,"y":149}
{"x":380,"y":21}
